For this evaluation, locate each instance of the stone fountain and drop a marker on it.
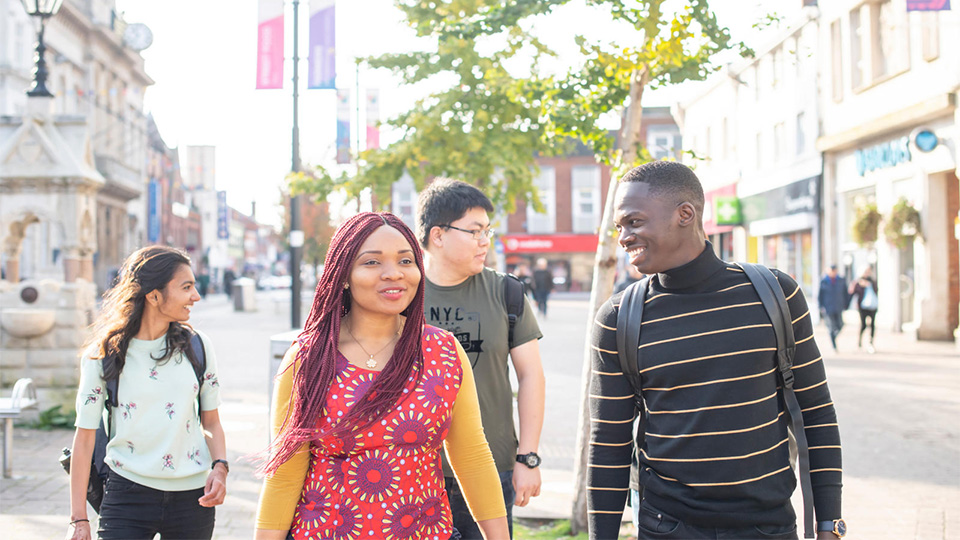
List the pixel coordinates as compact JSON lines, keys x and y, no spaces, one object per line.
{"x":47,"y":174}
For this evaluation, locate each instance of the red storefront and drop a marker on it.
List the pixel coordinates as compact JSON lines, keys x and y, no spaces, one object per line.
{"x":569,"y":256}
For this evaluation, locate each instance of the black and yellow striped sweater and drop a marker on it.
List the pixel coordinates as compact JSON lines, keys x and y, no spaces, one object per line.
{"x":715,"y":452}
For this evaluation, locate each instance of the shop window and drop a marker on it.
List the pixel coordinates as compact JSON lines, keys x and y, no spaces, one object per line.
{"x":545,"y":222}
{"x":586,"y":198}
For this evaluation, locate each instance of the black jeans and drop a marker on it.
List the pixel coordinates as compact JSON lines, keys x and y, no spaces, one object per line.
{"x":654,"y":524}
{"x":463,"y":519}
{"x":132,"y":511}
{"x":834,"y":322}
{"x":864,"y":315}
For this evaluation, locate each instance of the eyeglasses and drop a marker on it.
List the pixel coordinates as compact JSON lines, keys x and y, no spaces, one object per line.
{"x":477,"y":234}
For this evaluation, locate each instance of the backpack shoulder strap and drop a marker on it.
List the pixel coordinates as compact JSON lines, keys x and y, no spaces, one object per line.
{"x":513,"y":299}
{"x":196,"y":348}
{"x":775,"y":304}
{"x":107,"y":364}
{"x":629,"y":317}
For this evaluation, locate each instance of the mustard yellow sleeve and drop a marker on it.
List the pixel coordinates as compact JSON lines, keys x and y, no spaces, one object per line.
{"x":281,"y":491}
{"x":468,"y":452}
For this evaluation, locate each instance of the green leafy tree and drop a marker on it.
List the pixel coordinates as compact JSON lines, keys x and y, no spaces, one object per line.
{"x":675,"y":42}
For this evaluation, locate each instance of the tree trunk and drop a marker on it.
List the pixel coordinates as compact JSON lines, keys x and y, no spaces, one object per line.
{"x":603,"y":274}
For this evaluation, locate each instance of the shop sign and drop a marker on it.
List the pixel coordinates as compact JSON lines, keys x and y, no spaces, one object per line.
{"x":550,"y":243}
{"x":800,"y":197}
{"x":223,"y":219}
{"x":925,"y":140}
{"x":728,"y":211}
{"x":928,"y":5}
{"x":153,"y":211}
{"x":883,"y":155}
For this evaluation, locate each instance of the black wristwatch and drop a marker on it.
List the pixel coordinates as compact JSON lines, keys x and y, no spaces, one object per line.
{"x":838,"y":527}
{"x":226,"y":465}
{"x":531,"y":460}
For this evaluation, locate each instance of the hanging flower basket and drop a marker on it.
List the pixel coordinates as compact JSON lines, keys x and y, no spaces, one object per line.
{"x":866,"y":224}
{"x":902,"y":226}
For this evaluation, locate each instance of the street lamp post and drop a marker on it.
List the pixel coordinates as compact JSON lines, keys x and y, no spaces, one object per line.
{"x":43,"y":9}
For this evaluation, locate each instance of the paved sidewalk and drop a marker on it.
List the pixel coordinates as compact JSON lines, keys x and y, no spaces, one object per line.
{"x":898,"y":412}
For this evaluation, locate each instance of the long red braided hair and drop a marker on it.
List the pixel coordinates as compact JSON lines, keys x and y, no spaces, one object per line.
{"x":317,"y":358}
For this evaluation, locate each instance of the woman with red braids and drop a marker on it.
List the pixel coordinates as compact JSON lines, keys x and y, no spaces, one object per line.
{"x":364,"y":401}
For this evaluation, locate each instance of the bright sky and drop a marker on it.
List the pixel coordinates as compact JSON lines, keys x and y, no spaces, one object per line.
{"x":203,"y":60}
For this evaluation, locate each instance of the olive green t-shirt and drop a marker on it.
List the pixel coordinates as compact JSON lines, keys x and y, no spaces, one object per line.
{"x":475,"y":312}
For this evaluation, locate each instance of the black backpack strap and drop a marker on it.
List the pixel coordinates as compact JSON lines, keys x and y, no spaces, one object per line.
{"x":111,"y":400}
{"x":513,"y":299}
{"x":200,"y":366}
{"x":775,"y":304}
{"x":629,"y":317}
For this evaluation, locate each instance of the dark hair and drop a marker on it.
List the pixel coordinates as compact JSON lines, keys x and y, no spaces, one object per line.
{"x":144,"y":271}
{"x":445,"y":201}
{"x":669,"y":179}
{"x":317,"y":359}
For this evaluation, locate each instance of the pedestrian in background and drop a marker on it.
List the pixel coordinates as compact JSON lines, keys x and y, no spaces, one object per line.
{"x":713,"y":446}
{"x":833,"y":299}
{"x":633,"y":275}
{"x":166,"y":456}
{"x":542,"y":285}
{"x":864,"y":290}
{"x":469,"y":300}
{"x":364,"y":401}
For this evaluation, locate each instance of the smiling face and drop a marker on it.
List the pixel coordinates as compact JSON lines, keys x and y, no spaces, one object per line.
{"x":652,"y":228}
{"x":385,"y":277}
{"x":175,"y":300}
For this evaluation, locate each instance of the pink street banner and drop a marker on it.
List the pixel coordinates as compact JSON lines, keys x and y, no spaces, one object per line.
{"x":373,"y":118}
{"x":322,"y":72}
{"x":343,"y":125}
{"x":270,"y":44}
{"x":928,"y":5}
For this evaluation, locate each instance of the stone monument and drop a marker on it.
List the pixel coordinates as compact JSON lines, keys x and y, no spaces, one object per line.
{"x":47,"y":174}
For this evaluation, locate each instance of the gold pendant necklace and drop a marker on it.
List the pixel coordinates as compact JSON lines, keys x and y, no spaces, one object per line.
{"x":372,"y":362}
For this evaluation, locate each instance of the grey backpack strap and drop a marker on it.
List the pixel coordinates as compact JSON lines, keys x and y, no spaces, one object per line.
{"x":629,"y":317}
{"x":775,"y":304}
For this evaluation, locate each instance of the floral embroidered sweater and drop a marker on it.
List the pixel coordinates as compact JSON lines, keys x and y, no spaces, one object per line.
{"x":156,"y":439}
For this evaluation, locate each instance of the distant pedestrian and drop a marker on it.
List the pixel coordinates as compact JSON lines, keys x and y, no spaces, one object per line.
{"x":833,"y":299}
{"x":542,"y":285}
{"x":522,"y":271}
{"x":366,"y":400}
{"x":203,"y":282}
{"x":470,"y":300}
{"x":228,"y":278}
{"x":712,"y":446}
{"x":167,"y":450}
{"x":864,"y":290}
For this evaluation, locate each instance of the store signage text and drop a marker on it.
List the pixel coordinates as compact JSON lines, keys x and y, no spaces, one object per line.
{"x":556,"y":243}
{"x":884,"y":155}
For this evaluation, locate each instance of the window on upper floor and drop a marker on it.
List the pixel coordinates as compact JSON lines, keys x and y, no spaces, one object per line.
{"x":778,"y":142}
{"x":708,"y":144}
{"x":661,"y":147}
{"x":759,"y":148}
{"x":776,"y":64}
{"x":858,"y":71}
{"x":546,"y":222}
{"x":879,"y":42}
{"x":836,"y":61}
{"x":585,"y":188}
{"x":801,"y":134}
{"x":930,"y":35}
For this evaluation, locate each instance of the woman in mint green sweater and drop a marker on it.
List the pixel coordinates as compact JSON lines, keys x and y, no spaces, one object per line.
{"x":166,"y":451}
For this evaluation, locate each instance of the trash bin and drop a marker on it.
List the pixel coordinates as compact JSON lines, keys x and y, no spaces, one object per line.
{"x":244,"y":299}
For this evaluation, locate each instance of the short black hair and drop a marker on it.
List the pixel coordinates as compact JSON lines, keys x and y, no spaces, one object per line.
{"x":669,"y":179}
{"x":445,"y":201}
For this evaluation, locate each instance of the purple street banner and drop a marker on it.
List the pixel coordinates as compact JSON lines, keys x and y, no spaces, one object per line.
{"x":322,"y":64}
{"x":153,"y":211}
{"x":223,"y":217}
{"x":373,"y":118}
{"x":928,"y":5}
{"x":343,"y":125}
{"x":270,"y":44}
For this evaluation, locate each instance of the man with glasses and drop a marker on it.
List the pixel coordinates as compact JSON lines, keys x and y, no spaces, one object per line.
{"x":467,"y":299}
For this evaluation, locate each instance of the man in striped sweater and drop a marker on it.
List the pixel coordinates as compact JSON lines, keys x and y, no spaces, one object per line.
{"x":714,"y":459}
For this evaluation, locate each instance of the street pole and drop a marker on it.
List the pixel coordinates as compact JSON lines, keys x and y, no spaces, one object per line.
{"x":296,"y":235}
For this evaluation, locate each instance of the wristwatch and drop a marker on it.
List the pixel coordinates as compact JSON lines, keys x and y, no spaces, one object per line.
{"x":531,"y":460}
{"x":226,"y":465}
{"x":838,"y":527}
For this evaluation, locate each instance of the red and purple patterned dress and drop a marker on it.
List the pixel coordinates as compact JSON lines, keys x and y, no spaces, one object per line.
{"x":385,"y":482}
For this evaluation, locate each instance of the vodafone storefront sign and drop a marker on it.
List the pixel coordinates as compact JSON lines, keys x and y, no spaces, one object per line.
{"x":552,"y":243}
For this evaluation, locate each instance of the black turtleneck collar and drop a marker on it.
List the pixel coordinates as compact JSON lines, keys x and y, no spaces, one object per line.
{"x":694,"y":272}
